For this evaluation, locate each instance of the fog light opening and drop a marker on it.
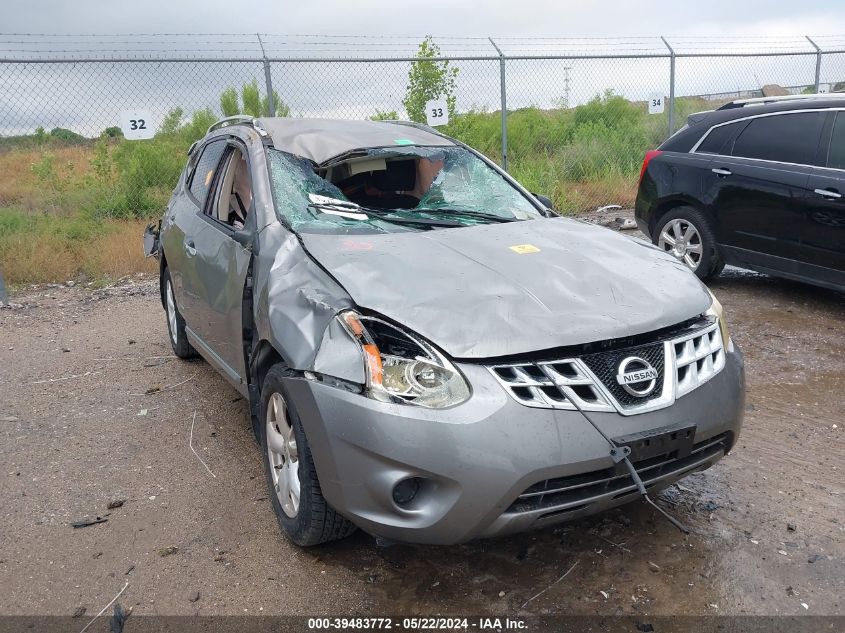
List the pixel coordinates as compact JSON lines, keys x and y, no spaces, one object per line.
{"x":406,"y":491}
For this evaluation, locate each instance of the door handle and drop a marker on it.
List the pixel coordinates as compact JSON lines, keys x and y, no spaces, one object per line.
{"x":827,"y":193}
{"x":721,"y":172}
{"x":190,"y":249}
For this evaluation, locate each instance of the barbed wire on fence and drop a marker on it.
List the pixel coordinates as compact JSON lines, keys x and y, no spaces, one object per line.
{"x":190,"y":46}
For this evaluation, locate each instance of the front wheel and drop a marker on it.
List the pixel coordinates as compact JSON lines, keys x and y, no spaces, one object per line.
{"x":686,"y":234}
{"x":295,"y":492}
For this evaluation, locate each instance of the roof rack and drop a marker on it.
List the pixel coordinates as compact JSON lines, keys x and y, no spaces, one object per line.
{"x":741,"y":103}
{"x":238,"y":119}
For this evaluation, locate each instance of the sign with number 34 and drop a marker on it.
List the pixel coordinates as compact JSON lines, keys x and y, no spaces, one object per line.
{"x":136,"y":124}
{"x":655,"y":103}
{"x":437,"y":112}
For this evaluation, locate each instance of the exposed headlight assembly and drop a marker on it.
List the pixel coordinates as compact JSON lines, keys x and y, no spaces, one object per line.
{"x":402,"y":368}
{"x":716,"y":310}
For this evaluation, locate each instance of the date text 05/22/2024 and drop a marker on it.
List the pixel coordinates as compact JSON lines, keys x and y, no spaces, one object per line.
{"x":419,"y":623}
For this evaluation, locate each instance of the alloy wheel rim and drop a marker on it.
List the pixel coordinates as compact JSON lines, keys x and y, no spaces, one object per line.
{"x":171,"y":312}
{"x":283,"y":455}
{"x":681,"y":239}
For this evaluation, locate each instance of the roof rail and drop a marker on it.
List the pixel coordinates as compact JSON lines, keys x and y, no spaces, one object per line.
{"x":238,"y":119}
{"x":740,"y":103}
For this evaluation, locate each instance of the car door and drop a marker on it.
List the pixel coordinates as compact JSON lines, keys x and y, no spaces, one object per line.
{"x":181,"y":220}
{"x":757,"y":192}
{"x":823,"y":239}
{"x":219,"y":266}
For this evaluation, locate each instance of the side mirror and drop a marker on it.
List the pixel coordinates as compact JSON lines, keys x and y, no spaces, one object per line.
{"x":151,"y":239}
{"x":244,"y":238}
{"x":545,"y":201}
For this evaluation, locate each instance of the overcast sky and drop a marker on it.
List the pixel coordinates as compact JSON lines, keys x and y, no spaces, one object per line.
{"x":549,"y":18}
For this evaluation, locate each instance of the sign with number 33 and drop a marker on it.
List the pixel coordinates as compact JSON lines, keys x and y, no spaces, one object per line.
{"x":437,"y":112}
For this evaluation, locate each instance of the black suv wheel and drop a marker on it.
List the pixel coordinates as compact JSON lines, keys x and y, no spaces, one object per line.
{"x":686,"y":233}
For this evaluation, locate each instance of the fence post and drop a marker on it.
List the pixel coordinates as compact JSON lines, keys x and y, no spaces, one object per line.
{"x":268,"y":80}
{"x":504,"y":97}
{"x":818,"y":61}
{"x":671,"y":86}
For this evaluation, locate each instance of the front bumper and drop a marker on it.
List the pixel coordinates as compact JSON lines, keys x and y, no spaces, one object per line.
{"x":476,"y":459}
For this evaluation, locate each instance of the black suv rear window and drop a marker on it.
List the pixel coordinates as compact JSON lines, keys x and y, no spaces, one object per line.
{"x":787,"y":138}
{"x":719,"y":141}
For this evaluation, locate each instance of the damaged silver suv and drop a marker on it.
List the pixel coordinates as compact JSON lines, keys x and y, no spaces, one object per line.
{"x":429,"y":352}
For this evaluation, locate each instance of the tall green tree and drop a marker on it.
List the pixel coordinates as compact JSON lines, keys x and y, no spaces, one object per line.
{"x":429,"y":79}
{"x":251,"y":99}
{"x":251,"y":102}
{"x":229,"y":104}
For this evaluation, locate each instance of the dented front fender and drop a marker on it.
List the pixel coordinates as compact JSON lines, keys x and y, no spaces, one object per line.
{"x":295,"y":305}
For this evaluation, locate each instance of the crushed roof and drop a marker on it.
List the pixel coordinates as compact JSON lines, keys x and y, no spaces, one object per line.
{"x":322,"y":139}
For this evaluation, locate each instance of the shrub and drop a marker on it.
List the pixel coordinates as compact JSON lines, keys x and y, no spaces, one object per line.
{"x":63,"y":134}
{"x":134,"y":179}
{"x":390,"y":115}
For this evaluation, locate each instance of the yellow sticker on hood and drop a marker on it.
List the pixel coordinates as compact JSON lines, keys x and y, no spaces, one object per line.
{"x":524,"y":249}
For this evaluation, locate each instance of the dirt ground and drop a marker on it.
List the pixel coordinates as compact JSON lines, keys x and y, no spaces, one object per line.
{"x":77,"y":430}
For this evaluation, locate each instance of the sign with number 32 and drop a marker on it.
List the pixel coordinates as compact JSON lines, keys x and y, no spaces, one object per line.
{"x":136,"y":124}
{"x":437,"y":112}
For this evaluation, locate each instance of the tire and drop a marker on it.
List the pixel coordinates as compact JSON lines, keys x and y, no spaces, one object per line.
{"x":307,"y":519}
{"x":175,"y":323}
{"x":686,"y":233}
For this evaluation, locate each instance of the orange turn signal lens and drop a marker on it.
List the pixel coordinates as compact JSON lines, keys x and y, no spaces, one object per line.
{"x":373,"y":363}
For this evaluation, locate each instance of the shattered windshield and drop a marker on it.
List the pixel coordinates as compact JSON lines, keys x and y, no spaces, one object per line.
{"x":394,"y":189}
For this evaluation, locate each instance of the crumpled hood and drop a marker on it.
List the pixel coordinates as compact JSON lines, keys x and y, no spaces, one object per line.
{"x":474,"y":295}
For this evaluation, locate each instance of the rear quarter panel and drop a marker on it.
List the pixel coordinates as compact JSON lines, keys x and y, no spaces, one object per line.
{"x":672,"y":179}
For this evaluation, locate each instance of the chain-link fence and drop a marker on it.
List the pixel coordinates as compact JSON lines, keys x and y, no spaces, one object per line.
{"x":570,"y":118}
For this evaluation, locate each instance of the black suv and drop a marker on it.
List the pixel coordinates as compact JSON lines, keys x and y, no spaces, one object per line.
{"x":759,"y":184}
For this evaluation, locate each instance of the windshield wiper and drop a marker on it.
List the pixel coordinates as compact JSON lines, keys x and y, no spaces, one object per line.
{"x":353,"y":211}
{"x":471,"y":214}
{"x":405,"y":220}
{"x":349,"y":211}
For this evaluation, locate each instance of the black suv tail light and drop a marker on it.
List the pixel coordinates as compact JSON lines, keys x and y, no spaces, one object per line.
{"x":648,"y":156}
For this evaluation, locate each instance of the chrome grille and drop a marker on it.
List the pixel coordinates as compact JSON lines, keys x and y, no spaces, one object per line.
{"x":698,"y":357}
{"x":683,"y":362}
{"x":552,"y":385}
{"x":605,"y":365}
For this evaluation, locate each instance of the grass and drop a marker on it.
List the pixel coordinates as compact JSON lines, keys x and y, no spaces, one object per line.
{"x":40,"y":248}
